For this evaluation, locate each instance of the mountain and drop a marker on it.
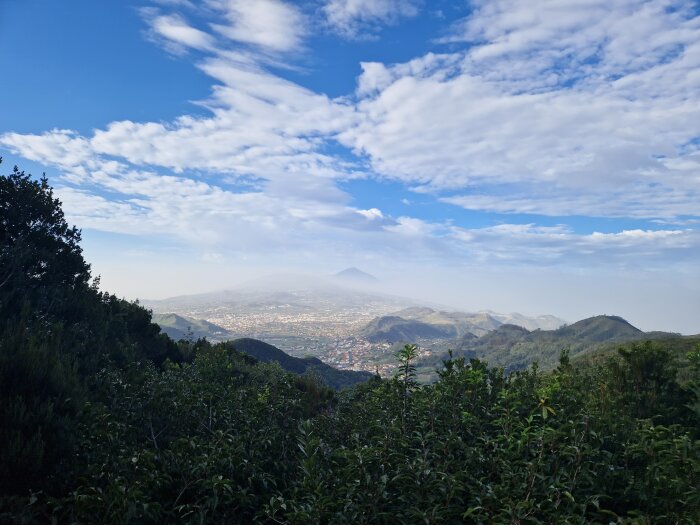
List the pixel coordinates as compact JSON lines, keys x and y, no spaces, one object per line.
{"x":543,"y":322}
{"x":393,"y":329}
{"x":479,"y":323}
{"x":601,"y":328}
{"x":461,"y":322}
{"x":177,"y":327}
{"x":515,"y":347}
{"x":356,"y":275}
{"x":289,"y":292}
{"x":267,"y":353}
{"x":416,"y":323}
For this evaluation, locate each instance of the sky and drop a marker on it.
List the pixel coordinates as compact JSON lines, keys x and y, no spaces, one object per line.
{"x":540,"y":157}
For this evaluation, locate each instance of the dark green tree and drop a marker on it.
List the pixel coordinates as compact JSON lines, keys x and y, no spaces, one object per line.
{"x":41,"y":259}
{"x":56,"y":331}
{"x":41,"y":269}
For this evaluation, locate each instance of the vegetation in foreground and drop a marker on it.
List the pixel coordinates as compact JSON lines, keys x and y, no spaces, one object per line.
{"x":105,"y":420}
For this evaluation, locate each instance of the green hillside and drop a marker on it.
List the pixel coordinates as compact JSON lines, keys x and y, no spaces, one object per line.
{"x":679,"y":349}
{"x":601,"y":328}
{"x":312,"y":366}
{"x":515,"y":348}
{"x":393,"y":329}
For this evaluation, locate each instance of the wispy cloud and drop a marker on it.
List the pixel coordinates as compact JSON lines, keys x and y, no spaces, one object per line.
{"x":530,"y":244}
{"x":272,"y":25}
{"x":178,"y":34}
{"x":546,"y":107}
{"x":354,"y":18}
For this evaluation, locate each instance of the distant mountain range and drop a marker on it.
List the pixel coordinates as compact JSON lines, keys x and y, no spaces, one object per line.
{"x":293,"y":293}
{"x":267,"y":353}
{"x":539,"y":322}
{"x":420,"y":323}
{"x":515,"y":347}
{"x":346,"y":325}
{"x":481,"y":335}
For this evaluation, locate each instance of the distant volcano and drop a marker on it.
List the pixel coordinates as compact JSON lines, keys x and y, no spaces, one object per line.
{"x":356,"y":275}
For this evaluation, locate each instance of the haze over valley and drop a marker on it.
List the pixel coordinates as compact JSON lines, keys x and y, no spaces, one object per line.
{"x":344,"y":322}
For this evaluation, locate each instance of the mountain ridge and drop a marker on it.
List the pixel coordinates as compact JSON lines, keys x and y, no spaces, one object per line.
{"x":421,"y":323}
{"x":515,"y":348}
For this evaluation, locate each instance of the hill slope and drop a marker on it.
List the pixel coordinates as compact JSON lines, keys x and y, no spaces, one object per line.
{"x":678,"y":347}
{"x":177,"y":326}
{"x":514,"y":347}
{"x":267,"y":353}
{"x":414,"y":324}
{"x":393,"y":329}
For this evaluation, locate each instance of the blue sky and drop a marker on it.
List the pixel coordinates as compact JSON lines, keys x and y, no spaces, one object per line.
{"x":487,"y":154}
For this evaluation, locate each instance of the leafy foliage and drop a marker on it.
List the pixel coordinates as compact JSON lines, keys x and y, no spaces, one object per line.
{"x":56,"y":330}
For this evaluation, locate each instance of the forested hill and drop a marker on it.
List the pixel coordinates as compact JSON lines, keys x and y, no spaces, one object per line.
{"x":328,"y":375}
{"x":392,"y":329}
{"x":103,"y":419}
{"x":515,"y":348}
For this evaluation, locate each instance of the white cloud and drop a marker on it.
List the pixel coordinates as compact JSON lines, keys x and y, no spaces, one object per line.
{"x":550,"y":110}
{"x":413,"y":227}
{"x":632,"y":201}
{"x":530,"y":244}
{"x":353,"y":17}
{"x":59,"y":147}
{"x":376,"y":76}
{"x":176,"y":30}
{"x":372,"y":213}
{"x":501,"y":125}
{"x":271,"y":25}
{"x":260,"y":126}
{"x":585,"y":40}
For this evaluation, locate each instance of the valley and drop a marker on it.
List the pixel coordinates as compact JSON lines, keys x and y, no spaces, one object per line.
{"x":338,"y":321}
{"x":356,"y":329}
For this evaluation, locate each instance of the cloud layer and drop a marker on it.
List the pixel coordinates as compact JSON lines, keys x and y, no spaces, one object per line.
{"x":575,"y":108}
{"x":547,"y":111}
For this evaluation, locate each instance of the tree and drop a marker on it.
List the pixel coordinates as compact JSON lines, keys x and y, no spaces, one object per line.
{"x":40,"y":254}
{"x":56,"y":332}
{"x":41,"y":266}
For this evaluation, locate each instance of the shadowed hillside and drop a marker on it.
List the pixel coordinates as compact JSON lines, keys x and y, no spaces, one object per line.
{"x":309,"y":365}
